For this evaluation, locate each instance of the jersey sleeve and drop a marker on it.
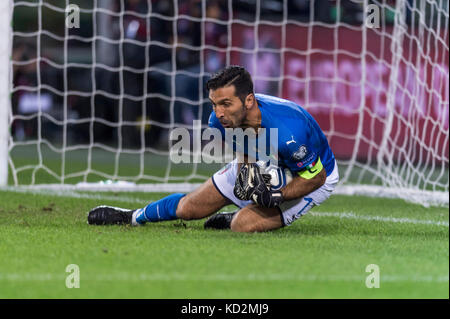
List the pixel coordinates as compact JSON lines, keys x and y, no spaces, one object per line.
{"x":298,"y":153}
{"x":302,"y":158}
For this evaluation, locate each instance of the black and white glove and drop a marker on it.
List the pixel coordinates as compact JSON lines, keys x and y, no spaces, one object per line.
{"x":252,"y":185}
{"x":244,"y":181}
{"x":260,"y":191}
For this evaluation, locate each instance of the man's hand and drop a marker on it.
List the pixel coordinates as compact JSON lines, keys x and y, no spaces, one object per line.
{"x":247,"y":179}
{"x":252,"y":185}
{"x":260,"y":191}
{"x":242,"y":184}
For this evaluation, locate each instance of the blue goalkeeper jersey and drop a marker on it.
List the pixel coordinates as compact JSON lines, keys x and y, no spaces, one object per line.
{"x":301,"y":141}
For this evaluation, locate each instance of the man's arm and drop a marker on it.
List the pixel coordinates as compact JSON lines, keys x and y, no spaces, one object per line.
{"x":301,"y":186}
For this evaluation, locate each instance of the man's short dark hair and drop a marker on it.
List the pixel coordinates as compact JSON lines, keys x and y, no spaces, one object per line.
{"x":232,"y":75}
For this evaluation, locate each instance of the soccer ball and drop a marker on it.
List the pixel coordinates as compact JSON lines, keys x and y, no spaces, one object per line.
{"x":280,"y":176}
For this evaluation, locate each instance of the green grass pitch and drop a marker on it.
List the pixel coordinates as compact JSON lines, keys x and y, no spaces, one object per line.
{"x":322,"y":255}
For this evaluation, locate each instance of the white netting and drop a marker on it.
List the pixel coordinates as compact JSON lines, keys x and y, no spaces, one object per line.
{"x":98,"y":102}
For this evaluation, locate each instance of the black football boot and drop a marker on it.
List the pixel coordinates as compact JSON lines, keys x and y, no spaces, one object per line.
{"x":220,"y":221}
{"x":107,"y":215}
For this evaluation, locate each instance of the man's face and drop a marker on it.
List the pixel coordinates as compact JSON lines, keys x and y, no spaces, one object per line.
{"x":229,"y":109}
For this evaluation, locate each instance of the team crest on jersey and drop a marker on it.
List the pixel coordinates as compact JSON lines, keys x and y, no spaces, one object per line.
{"x":300,"y":154}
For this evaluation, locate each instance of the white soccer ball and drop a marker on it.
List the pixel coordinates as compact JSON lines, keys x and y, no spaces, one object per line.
{"x":280,"y":176}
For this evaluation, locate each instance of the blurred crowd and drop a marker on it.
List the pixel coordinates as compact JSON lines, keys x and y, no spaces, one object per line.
{"x":147,"y":60}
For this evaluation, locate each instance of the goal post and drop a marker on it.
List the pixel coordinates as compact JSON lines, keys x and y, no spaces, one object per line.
{"x":92,"y":107}
{"x":5,"y":98}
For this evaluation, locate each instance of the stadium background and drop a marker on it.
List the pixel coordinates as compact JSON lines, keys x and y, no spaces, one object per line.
{"x":315,"y":93}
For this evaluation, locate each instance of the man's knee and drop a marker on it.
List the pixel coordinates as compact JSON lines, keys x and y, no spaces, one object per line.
{"x":242,"y":224}
{"x":247,"y":221}
{"x":237,"y":225}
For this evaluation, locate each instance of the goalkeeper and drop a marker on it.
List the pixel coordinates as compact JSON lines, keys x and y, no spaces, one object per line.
{"x":302,"y":147}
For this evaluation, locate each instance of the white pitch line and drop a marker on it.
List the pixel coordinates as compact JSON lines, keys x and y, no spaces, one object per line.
{"x":72,"y":194}
{"x":220,"y":277}
{"x":402,"y":220}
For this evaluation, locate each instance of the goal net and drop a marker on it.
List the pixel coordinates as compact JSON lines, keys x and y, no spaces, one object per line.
{"x":91,"y":90}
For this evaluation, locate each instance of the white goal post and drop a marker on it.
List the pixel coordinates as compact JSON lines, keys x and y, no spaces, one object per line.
{"x":91,"y":107}
{"x":5,"y":58}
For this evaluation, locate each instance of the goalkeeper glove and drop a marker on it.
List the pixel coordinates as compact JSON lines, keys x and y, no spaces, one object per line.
{"x":261,"y":193}
{"x":252,"y":185}
{"x":241,"y":185}
{"x":244,"y":181}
